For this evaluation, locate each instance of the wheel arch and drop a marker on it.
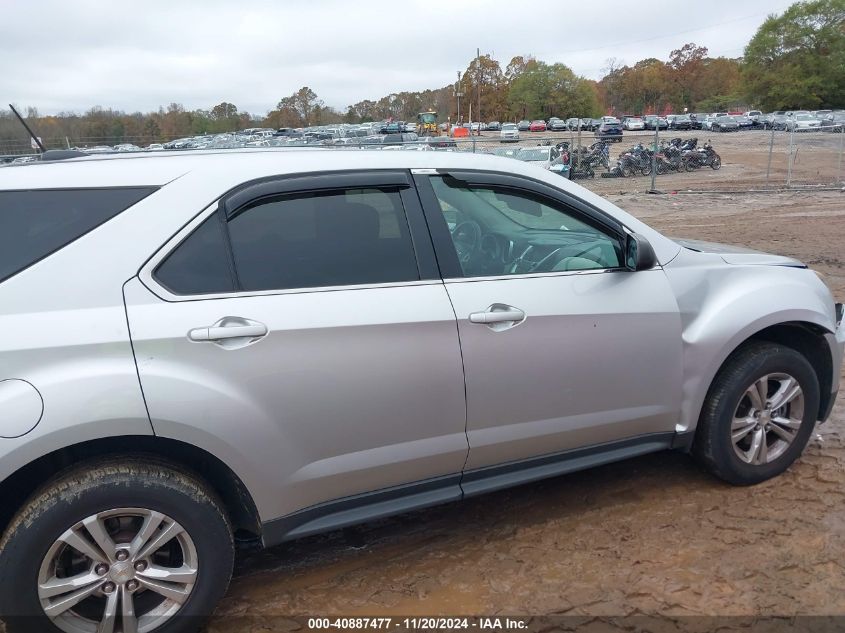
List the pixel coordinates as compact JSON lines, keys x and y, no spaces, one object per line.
{"x":237,"y":501}
{"x":805,"y":337}
{"x":808,"y":339}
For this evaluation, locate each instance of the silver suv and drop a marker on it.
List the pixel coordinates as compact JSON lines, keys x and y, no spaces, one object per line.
{"x":215,"y":348}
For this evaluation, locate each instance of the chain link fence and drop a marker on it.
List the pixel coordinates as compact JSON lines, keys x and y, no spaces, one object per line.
{"x":753,"y":159}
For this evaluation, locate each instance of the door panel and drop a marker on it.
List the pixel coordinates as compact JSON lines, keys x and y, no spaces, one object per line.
{"x":349,"y":391}
{"x":563,"y":347}
{"x":597,"y":358}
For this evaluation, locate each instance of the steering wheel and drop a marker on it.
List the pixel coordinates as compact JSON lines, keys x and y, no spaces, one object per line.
{"x":467,"y":239}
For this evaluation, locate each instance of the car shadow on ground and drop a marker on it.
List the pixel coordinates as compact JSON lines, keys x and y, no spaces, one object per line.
{"x":482,"y":518}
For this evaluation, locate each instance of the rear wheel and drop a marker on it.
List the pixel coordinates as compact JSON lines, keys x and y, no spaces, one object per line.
{"x":125,"y":546}
{"x":758,"y":415}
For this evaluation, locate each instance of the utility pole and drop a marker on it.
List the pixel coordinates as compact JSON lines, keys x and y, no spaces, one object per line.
{"x":478,"y":85}
{"x":458,"y":95}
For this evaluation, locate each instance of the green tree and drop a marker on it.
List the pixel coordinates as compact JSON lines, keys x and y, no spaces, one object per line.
{"x":798,"y":59}
{"x":224,"y":111}
{"x":543,"y":90}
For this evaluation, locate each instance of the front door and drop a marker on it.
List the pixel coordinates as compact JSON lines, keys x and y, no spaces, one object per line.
{"x":563,"y":347}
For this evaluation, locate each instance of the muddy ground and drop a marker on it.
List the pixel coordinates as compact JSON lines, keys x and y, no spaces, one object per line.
{"x":652,"y":535}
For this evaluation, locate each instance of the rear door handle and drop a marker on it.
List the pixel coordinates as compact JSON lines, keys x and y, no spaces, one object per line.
{"x":229,"y":328}
{"x":499,"y":316}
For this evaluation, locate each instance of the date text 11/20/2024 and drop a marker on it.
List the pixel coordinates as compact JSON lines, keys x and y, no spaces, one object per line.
{"x":419,"y":623}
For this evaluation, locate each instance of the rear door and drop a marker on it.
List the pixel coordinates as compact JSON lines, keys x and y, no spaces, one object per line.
{"x":300,"y":330}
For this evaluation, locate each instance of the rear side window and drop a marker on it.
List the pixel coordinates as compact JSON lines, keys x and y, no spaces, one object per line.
{"x":36,"y":223}
{"x":200,"y":264}
{"x":338,"y":238}
{"x":304,"y":240}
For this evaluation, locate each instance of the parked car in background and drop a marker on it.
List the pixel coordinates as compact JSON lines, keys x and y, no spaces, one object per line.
{"x":803,"y":123}
{"x":833,"y":122}
{"x":652,"y":121}
{"x":775,"y":121}
{"x":288,"y":342}
{"x":633,"y":123}
{"x":744,"y":122}
{"x":754,"y":115}
{"x":573,"y":123}
{"x":724,"y":124}
{"x":524,"y":125}
{"x":537,"y":125}
{"x":509,"y":133}
{"x":556,"y":125}
{"x":410,"y":126}
{"x":609,"y":131}
{"x":587,"y":124}
{"x":155,"y":147}
{"x":697,"y":120}
{"x":543,"y":156}
{"x":707,"y":123}
{"x":494,"y":126}
{"x":680,"y":122}
{"x":399,"y":138}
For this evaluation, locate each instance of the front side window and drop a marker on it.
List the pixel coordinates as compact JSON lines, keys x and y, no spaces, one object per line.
{"x":500,"y":231}
{"x":337,"y":238}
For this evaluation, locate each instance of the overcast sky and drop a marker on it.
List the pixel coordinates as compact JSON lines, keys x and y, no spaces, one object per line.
{"x":58,"y":55}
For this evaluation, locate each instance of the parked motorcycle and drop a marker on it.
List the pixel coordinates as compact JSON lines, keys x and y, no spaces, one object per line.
{"x":705,"y":156}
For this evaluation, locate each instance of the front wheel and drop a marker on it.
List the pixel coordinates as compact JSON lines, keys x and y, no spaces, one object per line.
{"x":758,"y":415}
{"x":116,"y":546}
{"x":716,"y":162}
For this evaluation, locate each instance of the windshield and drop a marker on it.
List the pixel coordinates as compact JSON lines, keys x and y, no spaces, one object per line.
{"x":428,"y":117}
{"x":509,"y":126}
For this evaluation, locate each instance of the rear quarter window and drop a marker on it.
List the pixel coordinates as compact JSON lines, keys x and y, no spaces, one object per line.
{"x":36,"y":223}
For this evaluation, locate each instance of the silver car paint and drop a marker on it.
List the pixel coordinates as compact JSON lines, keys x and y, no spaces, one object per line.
{"x":71,"y":338}
{"x":723,"y":304}
{"x":571,"y":374}
{"x":351,"y":390}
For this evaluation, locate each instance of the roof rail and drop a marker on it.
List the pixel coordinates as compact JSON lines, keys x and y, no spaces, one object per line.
{"x":61,"y":154}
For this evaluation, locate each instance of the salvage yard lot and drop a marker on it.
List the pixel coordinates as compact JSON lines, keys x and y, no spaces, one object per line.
{"x":652,"y":535}
{"x":817,"y":159}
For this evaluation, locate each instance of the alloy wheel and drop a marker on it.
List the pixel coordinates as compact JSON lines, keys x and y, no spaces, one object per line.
{"x":767,"y":418}
{"x":126,"y":570}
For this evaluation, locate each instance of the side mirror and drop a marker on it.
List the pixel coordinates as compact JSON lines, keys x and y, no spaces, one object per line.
{"x":639,"y":254}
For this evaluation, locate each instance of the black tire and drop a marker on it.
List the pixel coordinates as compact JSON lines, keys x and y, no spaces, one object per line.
{"x":100,"y":486}
{"x":716,"y":162}
{"x":713,"y":446}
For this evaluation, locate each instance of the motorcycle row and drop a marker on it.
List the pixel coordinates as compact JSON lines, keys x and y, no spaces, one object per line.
{"x":674,"y":155}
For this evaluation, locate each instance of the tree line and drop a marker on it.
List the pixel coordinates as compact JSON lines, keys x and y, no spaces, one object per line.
{"x":795,"y":60}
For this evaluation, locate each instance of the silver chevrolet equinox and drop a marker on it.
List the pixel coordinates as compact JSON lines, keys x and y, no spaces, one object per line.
{"x":216,"y":348}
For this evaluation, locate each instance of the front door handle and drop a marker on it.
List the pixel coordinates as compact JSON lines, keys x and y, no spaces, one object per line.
{"x":228,"y":329}
{"x":498,"y":316}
